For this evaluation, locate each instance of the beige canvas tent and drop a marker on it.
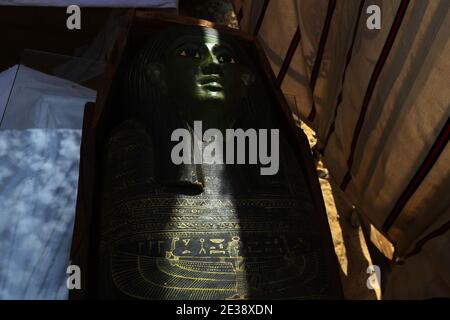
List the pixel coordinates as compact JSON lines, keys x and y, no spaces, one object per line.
{"x":379,"y":100}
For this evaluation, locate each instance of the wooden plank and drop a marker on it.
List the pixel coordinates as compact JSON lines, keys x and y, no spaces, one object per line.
{"x":80,"y":249}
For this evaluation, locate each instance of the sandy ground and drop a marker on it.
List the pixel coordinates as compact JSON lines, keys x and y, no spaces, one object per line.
{"x":349,"y":243}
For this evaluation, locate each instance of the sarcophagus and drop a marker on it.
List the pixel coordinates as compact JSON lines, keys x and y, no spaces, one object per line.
{"x":195,"y":182}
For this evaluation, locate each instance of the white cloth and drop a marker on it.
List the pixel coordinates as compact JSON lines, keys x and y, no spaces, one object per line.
{"x":40,"y":140}
{"x":38,"y":100}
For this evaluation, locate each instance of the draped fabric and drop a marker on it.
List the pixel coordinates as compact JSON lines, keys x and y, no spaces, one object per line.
{"x":40,"y":134}
{"x":379,"y":101}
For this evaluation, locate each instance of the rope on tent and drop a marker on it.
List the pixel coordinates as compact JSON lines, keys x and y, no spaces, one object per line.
{"x":401,"y":12}
{"x":320,"y":52}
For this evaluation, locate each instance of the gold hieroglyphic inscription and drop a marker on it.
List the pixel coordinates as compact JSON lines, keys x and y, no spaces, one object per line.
{"x":227,"y":242}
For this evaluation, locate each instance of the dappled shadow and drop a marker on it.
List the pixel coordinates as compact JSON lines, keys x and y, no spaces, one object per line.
{"x":350,"y":246}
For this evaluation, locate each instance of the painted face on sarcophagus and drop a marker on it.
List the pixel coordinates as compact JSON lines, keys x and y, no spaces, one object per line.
{"x":202,"y":75}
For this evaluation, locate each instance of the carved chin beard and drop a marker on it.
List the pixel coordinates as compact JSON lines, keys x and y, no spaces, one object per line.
{"x":213,"y":123}
{"x":211,"y":115}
